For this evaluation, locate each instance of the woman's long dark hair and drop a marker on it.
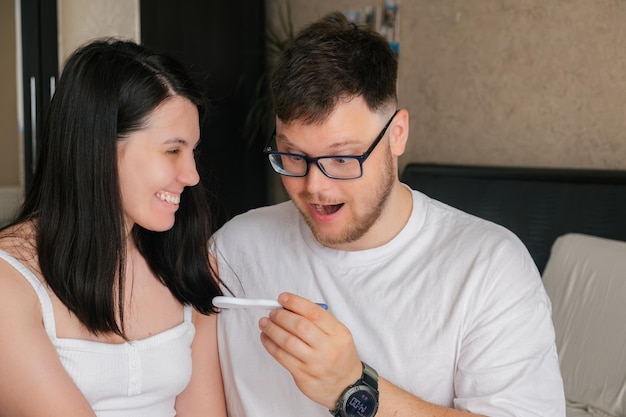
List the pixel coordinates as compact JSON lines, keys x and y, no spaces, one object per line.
{"x":107,"y":90}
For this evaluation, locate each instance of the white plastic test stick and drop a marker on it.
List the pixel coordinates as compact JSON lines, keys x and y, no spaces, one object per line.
{"x":222,"y":301}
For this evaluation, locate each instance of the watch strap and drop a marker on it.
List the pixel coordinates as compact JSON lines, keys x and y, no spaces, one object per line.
{"x":370,"y":376}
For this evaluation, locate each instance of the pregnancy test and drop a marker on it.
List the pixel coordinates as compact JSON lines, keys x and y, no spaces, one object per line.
{"x":222,"y":301}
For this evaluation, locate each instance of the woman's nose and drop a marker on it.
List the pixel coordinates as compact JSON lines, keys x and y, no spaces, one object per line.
{"x":188,"y":173}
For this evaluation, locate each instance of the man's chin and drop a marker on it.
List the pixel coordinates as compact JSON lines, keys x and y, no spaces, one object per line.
{"x":325,"y":237}
{"x":333,"y":239}
{"x":328,"y":240}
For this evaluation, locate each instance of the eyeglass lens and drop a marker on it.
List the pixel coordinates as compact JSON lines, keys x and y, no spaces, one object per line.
{"x":334,"y":167}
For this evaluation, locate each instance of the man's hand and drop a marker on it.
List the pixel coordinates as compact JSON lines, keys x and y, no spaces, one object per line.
{"x":313,"y":346}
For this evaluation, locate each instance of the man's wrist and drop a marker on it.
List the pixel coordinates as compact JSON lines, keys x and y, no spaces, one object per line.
{"x":361,"y":398}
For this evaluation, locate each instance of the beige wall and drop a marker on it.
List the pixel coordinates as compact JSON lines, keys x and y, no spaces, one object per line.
{"x":81,"y":21}
{"x":9,"y":133}
{"x":508,"y":82}
{"x":10,"y":136}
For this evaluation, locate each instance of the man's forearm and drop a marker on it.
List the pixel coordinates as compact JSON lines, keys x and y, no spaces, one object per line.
{"x":395,"y":402}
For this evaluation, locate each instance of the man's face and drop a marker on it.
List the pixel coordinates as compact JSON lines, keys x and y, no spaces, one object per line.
{"x":344,"y":214}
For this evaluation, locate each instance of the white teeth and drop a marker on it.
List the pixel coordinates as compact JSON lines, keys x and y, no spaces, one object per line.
{"x":169,"y":198}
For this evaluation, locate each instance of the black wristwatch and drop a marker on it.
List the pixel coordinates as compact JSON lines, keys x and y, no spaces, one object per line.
{"x":361,"y":398}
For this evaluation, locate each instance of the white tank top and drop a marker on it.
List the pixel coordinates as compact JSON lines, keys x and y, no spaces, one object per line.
{"x":140,"y":378}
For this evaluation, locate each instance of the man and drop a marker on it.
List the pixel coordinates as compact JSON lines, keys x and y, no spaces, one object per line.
{"x":431,"y":311}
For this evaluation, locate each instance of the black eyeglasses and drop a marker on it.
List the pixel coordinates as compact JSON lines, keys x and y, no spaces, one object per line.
{"x":338,"y":167}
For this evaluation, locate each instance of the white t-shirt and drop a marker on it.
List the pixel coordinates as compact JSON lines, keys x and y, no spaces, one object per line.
{"x":451,"y":310}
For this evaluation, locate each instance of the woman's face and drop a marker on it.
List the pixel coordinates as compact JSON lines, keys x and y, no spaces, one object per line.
{"x":157,"y":162}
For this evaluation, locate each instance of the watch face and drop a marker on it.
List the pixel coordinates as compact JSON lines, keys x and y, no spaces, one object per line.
{"x":361,"y":403}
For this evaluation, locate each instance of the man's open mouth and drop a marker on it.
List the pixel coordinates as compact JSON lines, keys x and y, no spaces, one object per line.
{"x":327,"y":209}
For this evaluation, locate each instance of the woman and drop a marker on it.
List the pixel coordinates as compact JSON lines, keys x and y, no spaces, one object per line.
{"x":105,"y":280}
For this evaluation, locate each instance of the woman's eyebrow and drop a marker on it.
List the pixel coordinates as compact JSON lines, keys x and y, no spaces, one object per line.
{"x":178,"y":141}
{"x":175,"y":140}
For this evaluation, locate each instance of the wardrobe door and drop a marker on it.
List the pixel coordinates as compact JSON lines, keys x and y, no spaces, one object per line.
{"x":223,"y":42}
{"x":40,"y":68}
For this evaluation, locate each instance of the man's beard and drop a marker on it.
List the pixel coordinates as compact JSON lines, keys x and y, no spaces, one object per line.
{"x":362,"y":224}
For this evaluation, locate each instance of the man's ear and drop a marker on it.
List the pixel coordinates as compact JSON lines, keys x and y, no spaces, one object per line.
{"x":399,"y":132}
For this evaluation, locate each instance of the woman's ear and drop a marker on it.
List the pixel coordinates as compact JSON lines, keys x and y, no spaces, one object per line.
{"x":399,"y":132}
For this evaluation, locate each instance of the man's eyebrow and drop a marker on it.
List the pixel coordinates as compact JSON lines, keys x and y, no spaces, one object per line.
{"x":341,"y":143}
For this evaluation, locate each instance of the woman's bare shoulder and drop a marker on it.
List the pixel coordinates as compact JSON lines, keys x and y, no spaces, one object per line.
{"x":19,"y":242}
{"x":26,"y":351}
{"x":15,"y":290}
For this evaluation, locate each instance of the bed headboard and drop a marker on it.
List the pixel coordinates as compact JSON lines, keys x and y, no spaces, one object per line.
{"x":537,"y":204}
